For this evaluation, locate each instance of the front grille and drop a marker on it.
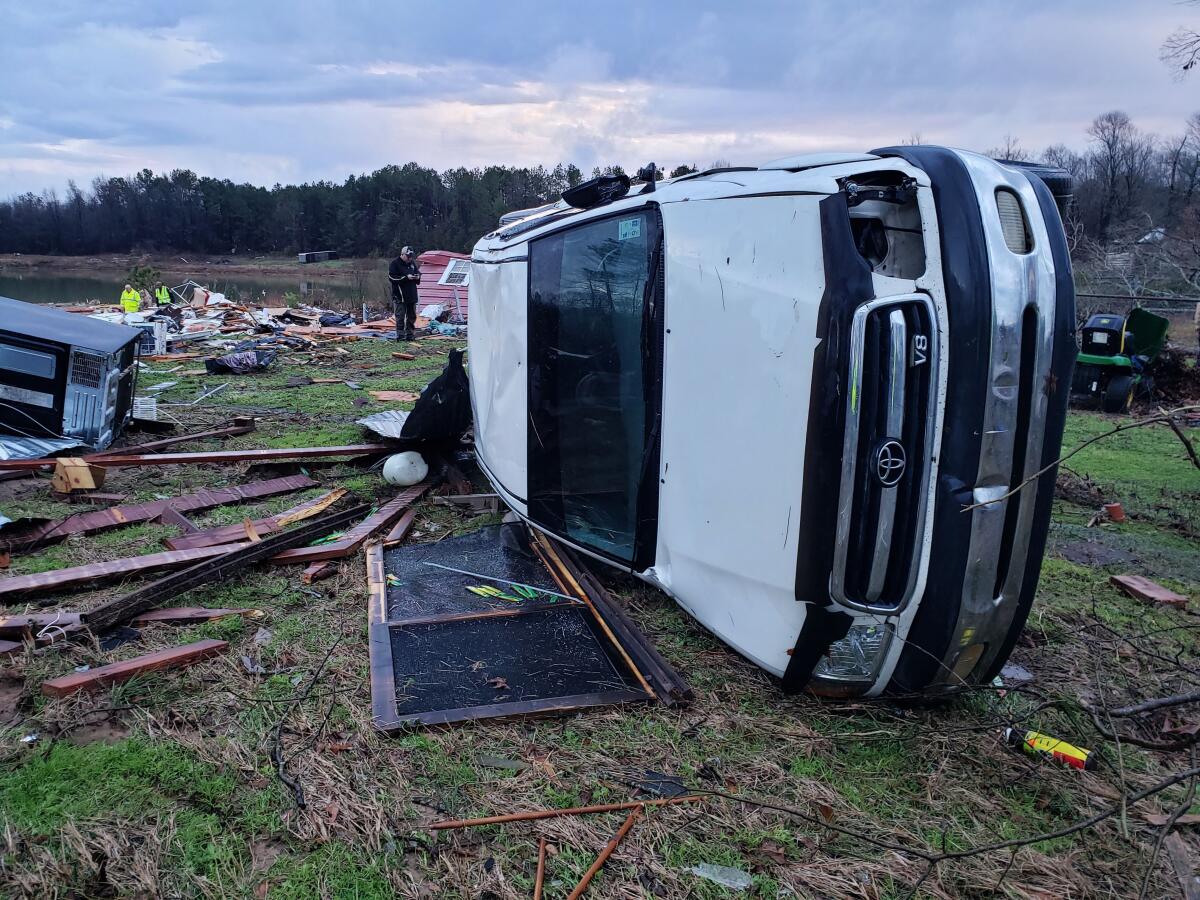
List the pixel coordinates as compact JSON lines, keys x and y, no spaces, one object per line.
{"x":886,"y":453}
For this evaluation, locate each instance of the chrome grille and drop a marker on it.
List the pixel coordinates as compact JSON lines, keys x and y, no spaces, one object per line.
{"x":886,"y":453}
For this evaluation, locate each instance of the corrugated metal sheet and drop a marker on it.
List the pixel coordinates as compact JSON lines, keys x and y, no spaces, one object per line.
{"x":433,"y":263}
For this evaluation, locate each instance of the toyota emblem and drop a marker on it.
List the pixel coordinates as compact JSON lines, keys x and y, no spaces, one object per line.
{"x":890,"y":463}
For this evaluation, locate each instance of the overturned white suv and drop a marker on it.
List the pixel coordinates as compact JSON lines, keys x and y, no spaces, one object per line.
{"x":800,"y":399}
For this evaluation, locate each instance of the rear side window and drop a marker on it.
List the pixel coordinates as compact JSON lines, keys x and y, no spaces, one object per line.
{"x":594,"y":338}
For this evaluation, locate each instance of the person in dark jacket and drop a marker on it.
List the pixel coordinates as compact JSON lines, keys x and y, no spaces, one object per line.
{"x":404,"y":276}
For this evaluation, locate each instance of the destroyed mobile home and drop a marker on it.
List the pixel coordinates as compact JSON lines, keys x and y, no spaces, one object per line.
{"x":816,"y":402}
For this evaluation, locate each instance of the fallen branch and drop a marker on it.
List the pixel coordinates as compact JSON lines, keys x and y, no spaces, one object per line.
{"x":1160,"y":703}
{"x":573,"y":811}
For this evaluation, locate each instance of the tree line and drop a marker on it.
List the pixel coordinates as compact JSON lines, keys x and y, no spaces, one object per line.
{"x":1130,"y":185}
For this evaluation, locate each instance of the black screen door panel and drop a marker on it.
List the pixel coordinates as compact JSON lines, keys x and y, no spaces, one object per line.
{"x":594,"y":384}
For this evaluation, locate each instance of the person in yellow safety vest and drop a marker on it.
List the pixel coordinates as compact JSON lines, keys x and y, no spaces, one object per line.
{"x":131,"y":300}
{"x":162,"y":295}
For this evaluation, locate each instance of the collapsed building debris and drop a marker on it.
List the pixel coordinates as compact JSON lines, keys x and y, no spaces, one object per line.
{"x":14,"y":538}
{"x":121,"y":609}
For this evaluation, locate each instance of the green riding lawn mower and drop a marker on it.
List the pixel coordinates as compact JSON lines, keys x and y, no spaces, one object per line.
{"x":1115,"y":357}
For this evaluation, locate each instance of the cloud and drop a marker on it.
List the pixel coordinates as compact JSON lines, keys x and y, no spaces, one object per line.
{"x":273,"y":92}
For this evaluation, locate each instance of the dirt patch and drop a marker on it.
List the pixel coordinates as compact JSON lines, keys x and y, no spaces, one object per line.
{"x":107,"y":730}
{"x":10,"y":696}
{"x":1091,"y":553}
{"x":264,"y":853}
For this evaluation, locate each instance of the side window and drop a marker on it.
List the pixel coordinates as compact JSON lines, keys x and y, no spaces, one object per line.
{"x":593,"y":379}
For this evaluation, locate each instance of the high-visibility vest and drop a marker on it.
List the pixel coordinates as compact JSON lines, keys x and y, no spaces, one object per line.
{"x":131,"y":301}
{"x":162,"y":295}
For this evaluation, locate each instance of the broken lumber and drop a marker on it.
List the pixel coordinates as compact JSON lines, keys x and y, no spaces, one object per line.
{"x":401,"y":529}
{"x":10,"y":648}
{"x":574,"y":577}
{"x":172,"y":516}
{"x":354,"y":538}
{"x":188,"y":615}
{"x":216,"y":456}
{"x":534,"y":814}
{"x":16,"y":587}
{"x":318,"y":571}
{"x":29,"y":624}
{"x":95,"y":679}
{"x":124,"y":608}
{"x":605,"y":854}
{"x":72,"y":474}
{"x":114,"y":517}
{"x":1144,"y":589}
{"x":239,"y":425}
{"x":401,"y":396}
{"x":228,"y":534}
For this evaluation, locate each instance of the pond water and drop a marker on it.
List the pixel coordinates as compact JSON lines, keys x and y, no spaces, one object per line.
{"x":73,"y":288}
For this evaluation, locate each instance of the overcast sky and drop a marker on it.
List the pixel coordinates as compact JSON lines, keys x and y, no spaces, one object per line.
{"x":299,"y":91}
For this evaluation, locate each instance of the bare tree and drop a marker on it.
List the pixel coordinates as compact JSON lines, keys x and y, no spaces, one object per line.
{"x":1010,"y":150}
{"x":1181,"y":49}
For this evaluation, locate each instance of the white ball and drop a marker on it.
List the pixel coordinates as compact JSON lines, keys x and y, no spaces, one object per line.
{"x":405,"y":468}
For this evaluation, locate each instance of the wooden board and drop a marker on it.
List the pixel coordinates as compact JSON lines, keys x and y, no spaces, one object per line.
{"x":216,"y":456}
{"x":399,"y":396}
{"x":1144,"y":589}
{"x":29,"y":624}
{"x":16,"y":587}
{"x":318,"y":571}
{"x":117,"y":516}
{"x":187,"y":615}
{"x":353,"y":539}
{"x":229,"y":534}
{"x":95,"y":679}
{"x":122,"y":609}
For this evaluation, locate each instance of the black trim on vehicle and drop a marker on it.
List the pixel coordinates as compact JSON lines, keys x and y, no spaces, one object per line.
{"x":848,"y":285}
{"x":822,"y":626}
{"x":1058,"y":389}
{"x":968,"y":287}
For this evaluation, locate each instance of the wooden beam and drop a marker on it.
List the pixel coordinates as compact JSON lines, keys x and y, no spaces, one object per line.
{"x":14,"y":588}
{"x":28,"y":624}
{"x":124,"y":608}
{"x":187,"y":615}
{"x":566,"y":567}
{"x":172,"y":516}
{"x":535,"y":814}
{"x":239,"y":426}
{"x":353,"y":539}
{"x":379,"y":642}
{"x":229,"y":534}
{"x":544,"y":706}
{"x":95,"y":679}
{"x":116,"y":516}
{"x":1151,"y":592}
{"x":318,"y":571}
{"x":216,"y":456}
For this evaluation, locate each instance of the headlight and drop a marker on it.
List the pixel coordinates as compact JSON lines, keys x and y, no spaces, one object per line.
{"x":856,"y":657}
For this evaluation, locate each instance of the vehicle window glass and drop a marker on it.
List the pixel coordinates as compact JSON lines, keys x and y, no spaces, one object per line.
{"x":589,"y":348}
